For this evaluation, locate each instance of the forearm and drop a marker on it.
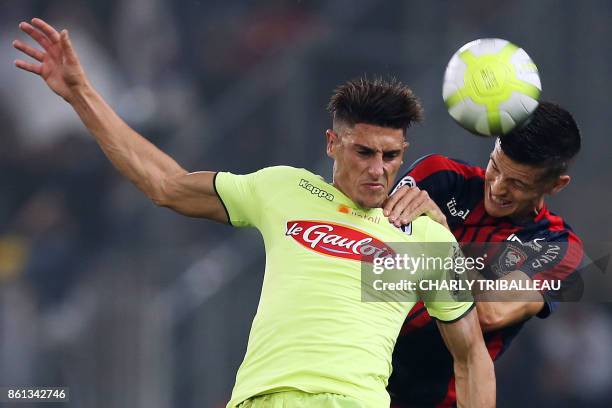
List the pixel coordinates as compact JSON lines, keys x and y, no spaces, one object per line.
{"x":150,"y":169}
{"x":498,"y":309}
{"x":474,"y":374}
{"x":494,"y":315}
{"x":475,"y":380}
{"x":132,"y":155}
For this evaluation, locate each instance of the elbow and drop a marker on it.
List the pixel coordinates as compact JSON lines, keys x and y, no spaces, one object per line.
{"x":161,"y":194}
{"x":159,"y":200}
{"x":488,"y":316}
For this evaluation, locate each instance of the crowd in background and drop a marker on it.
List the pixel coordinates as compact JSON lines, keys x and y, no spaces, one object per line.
{"x":131,"y":305}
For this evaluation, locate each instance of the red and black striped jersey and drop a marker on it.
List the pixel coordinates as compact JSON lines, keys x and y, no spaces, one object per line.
{"x":546,"y":247}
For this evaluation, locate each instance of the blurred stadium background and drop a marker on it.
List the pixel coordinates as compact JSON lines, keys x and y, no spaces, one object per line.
{"x":133,"y":306}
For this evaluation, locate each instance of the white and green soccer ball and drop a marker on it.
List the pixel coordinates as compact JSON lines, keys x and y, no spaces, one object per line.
{"x":491,"y":86}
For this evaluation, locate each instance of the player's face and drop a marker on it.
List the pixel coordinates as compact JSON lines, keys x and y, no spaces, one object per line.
{"x":366,"y":161}
{"x":512,"y":189}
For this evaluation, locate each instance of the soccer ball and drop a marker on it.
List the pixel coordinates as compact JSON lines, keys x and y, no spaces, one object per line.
{"x":491,"y":86}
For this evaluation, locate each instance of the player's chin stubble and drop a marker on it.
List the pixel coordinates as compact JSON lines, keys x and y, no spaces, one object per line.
{"x":372,"y":201}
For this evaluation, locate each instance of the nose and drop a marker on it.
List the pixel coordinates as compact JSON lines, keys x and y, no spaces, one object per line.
{"x":498,"y":187}
{"x":376,"y":167}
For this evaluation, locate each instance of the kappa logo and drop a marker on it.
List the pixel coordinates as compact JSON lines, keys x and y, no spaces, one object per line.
{"x":337,"y":240}
{"x":314,"y":190}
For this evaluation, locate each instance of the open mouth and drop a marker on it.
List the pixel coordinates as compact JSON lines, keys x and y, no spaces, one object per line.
{"x":499,"y":202}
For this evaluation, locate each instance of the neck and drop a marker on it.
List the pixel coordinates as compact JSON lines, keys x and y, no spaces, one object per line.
{"x":531,"y":214}
{"x":339,"y":188}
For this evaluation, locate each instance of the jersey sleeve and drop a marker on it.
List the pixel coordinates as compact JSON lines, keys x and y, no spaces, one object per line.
{"x":238,"y":196}
{"x":559,"y":258}
{"x":439,"y":175}
{"x":245,"y":196}
{"x":443,"y":303}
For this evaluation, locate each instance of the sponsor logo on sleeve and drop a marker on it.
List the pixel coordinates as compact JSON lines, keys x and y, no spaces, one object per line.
{"x":453,"y":211}
{"x":550,"y":255}
{"x":337,"y":240}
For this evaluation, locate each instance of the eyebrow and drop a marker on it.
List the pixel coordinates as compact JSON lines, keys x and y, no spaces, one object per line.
{"x":511,"y":178}
{"x":369,"y":149}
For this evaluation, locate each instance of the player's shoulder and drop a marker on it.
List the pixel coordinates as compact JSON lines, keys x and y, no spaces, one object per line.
{"x":276,"y":174}
{"x":428,"y":230}
{"x":434,"y":163}
{"x":554,"y":227}
{"x":280,"y":170}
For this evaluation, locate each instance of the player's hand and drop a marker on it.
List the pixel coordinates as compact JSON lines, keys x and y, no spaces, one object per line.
{"x":58,"y":63}
{"x":407,"y":203}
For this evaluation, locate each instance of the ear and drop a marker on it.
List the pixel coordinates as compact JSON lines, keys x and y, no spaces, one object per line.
{"x":560,"y":184}
{"x":405,"y":145}
{"x":332,"y":142}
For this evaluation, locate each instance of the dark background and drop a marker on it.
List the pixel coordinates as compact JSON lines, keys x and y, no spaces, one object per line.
{"x":132,"y":305}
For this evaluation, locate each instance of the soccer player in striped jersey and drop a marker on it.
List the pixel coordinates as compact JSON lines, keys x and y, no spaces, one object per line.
{"x":504,"y":204}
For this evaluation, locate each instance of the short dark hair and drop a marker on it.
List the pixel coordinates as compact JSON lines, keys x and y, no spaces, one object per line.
{"x":550,"y":139}
{"x":380,"y":102}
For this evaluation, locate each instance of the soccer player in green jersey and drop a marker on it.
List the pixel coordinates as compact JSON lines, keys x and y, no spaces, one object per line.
{"x":313,"y":342}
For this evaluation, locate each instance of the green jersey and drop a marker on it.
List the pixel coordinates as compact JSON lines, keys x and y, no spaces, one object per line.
{"x":312,"y":331}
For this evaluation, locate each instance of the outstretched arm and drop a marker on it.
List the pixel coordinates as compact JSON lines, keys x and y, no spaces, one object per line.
{"x":474,"y":373}
{"x":159,"y":176}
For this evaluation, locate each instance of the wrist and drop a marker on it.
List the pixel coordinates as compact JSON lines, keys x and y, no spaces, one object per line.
{"x":80,"y":92}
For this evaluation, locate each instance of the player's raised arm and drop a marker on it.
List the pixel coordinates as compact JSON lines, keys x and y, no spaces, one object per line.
{"x":159,"y":176}
{"x":474,"y":373}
